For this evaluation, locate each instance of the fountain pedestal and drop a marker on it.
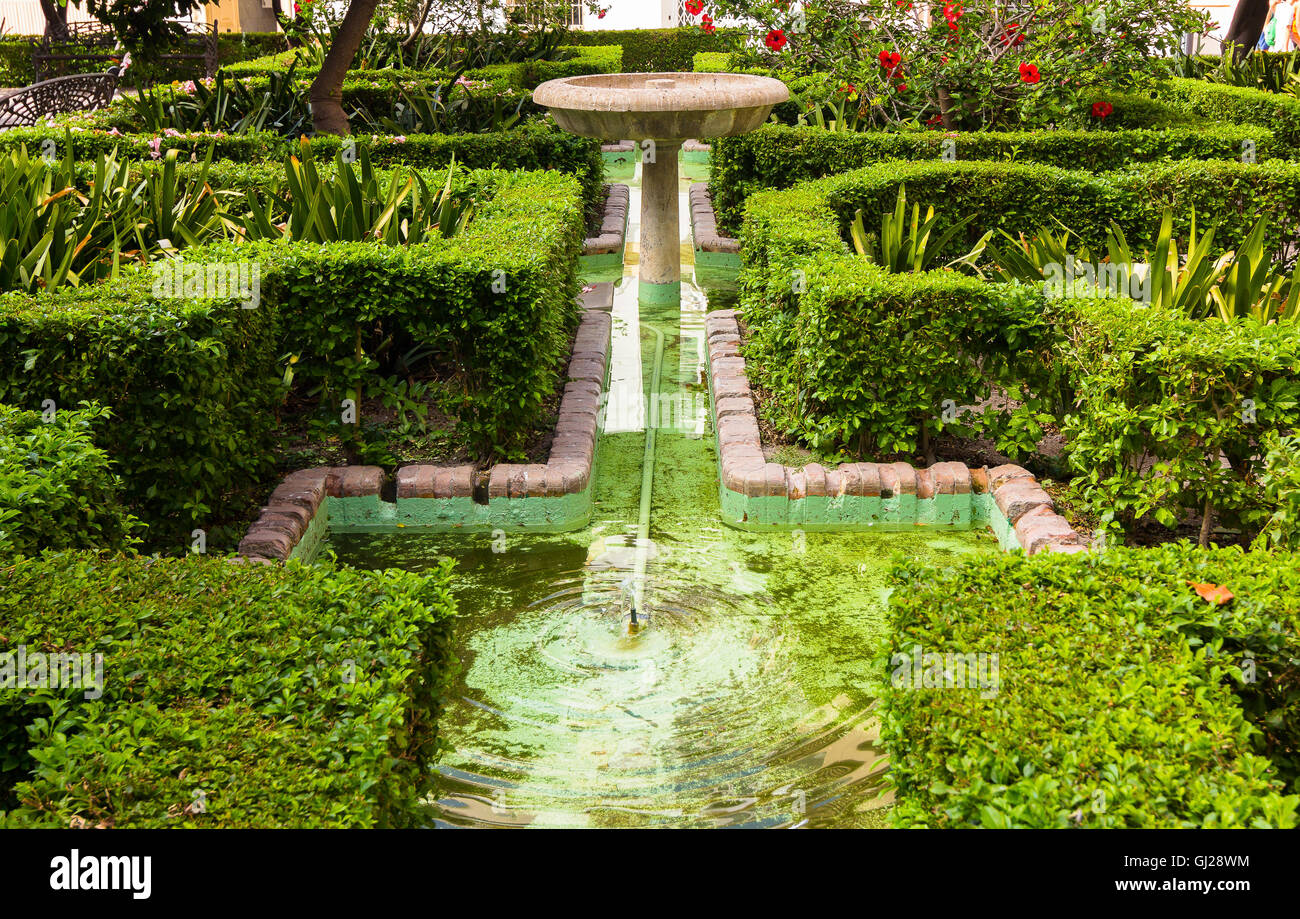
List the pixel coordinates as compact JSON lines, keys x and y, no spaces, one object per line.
{"x":665,"y":108}
{"x":660,"y":274}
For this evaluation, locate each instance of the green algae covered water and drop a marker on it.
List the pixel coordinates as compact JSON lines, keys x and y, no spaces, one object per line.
{"x":740,"y":692}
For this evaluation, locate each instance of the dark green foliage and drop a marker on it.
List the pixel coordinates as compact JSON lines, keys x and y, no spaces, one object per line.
{"x":660,"y":50}
{"x":16,"y":58}
{"x":1240,"y":105}
{"x":779,"y":156}
{"x":57,"y":490}
{"x":1161,"y":400}
{"x":1123,"y":698}
{"x":1019,"y":198}
{"x":865,"y":359}
{"x":255,"y":160}
{"x":1148,"y":399}
{"x":192,"y":385}
{"x":294,"y":696}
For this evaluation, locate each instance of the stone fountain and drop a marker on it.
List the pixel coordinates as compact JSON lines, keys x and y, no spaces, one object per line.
{"x":661,"y":111}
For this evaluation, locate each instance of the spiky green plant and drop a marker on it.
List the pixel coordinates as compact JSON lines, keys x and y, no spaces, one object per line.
{"x":905,"y":246}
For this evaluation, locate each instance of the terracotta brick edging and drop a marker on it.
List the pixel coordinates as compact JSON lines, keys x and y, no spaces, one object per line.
{"x":550,"y":496}
{"x":613,"y":225}
{"x":757,"y":493}
{"x":704,"y":224}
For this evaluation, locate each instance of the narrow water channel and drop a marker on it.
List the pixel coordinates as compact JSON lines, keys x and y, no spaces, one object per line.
{"x":741,"y":696}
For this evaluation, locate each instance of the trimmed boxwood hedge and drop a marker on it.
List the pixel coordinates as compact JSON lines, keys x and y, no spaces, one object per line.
{"x":57,"y":488}
{"x":661,"y":50}
{"x":602,"y":57}
{"x":852,"y":356}
{"x":531,"y":147}
{"x":295,"y":696}
{"x":192,"y":385}
{"x":780,"y":156}
{"x":16,"y":57}
{"x":445,"y":297}
{"x":1123,"y":698}
{"x":1021,"y":197}
{"x":1240,"y":105}
{"x":1160,"y":400}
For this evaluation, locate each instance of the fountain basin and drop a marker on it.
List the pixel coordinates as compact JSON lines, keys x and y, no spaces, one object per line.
{"x":661,"y":106}
{"x":661,"y":110}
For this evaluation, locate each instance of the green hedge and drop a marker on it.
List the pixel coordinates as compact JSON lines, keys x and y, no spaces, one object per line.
{"x":232,"y":47}
{"x":506,"y":345}
{"x":1240,"y":105}
{"x":851,"y":356}
{"x":1122,"y":698}
{"x":1280,"y":481}
{"x":1021,"y":197}
{"x":57,"y":489}
{"x":780,"y":156}
{"x":660,"y":50}
{"x":1160,"y":398}
{"x":576,"y":61}
{"x":192,"y":385}
{"x":254,"y":160}
{"x":580,"y":61}
{"x":864,"y":359}
{"x":296,"y":696}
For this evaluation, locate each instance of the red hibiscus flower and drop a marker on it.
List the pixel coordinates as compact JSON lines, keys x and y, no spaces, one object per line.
{"x":1101,"y":109}
{"x":694,"y":7}
{"x":952,"y":12}
{"x":1012,"y":35}
{"x":848,"y":89}
{"x":902,"y":87}
{"x":1029,"y":73}
{"x":706,"y":23}
{"x":903,"y":4}
{"x":890,"y":60}
{"x":775,"y":40}
{"x":934,"y":119}
{"x":600,"y":14}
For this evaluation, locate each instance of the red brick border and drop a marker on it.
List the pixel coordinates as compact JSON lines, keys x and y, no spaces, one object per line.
{"x":289,"y":511}
{"x":704,"y":223}
{"x":1024,"y":503}
{"x":613,"y":225}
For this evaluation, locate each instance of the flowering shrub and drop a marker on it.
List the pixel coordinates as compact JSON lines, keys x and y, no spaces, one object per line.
{"x":968,"y":65}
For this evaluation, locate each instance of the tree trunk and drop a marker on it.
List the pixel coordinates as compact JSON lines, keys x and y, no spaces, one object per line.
{"x":1207,"y":523}
{"x":417,"y":26}
{"x":56,"y":19}
{"x":1246,"y":26}
{"x":327,"y":113}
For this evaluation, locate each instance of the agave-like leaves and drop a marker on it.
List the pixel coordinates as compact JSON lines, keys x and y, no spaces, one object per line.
{"x":905,"y":245}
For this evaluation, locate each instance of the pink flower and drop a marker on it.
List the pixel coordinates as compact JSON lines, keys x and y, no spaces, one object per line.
{"x":171,"y":132}
{"x":115,"y":133}
{"x":399,"y":139}
{"x":155,"y":147}
{"x":188,"y":87}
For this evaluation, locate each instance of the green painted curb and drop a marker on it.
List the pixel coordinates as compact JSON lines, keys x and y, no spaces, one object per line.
{"x":658,"y":294}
